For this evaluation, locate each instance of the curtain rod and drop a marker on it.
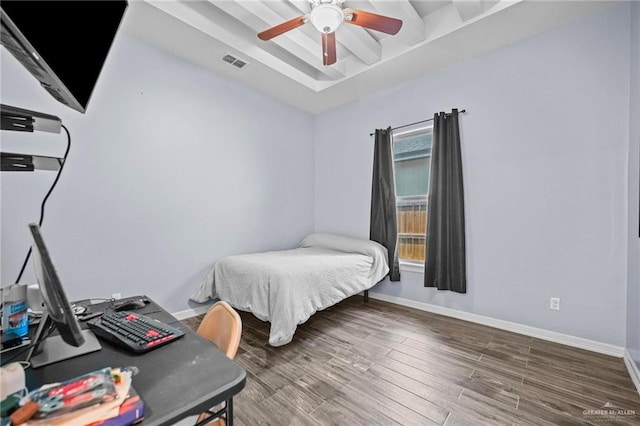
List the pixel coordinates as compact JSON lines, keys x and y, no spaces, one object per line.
{"x":418,"y":122}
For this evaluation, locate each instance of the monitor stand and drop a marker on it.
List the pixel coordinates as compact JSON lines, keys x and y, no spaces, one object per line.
{"x":54,"y":349}
{"x":48,"y":350}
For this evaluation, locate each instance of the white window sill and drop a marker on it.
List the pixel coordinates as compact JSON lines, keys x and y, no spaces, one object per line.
{"x":417,"y":268}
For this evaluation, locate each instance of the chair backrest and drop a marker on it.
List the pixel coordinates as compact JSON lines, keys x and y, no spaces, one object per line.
{"x":222,"y":326}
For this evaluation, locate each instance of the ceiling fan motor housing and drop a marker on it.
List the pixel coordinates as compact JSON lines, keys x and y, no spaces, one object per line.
{"x":326,"y":17}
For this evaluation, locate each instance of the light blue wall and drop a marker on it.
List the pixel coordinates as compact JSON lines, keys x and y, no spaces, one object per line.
{"x":545,"y":157}
{"x":633,"y":295}
{"x":170,"y":169}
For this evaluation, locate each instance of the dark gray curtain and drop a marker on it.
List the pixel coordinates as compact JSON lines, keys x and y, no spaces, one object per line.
{"x":445,"y":264}
{"x":384,"y":226}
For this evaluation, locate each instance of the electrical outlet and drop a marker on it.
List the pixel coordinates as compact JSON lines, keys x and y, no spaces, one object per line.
{"x":554,"y":303}
{"x":116,"y":296}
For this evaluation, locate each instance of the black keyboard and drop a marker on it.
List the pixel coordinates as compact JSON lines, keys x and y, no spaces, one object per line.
{"x":135,"y":332}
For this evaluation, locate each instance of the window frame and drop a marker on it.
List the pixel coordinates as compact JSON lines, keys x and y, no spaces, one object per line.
{"x":407,"y":264}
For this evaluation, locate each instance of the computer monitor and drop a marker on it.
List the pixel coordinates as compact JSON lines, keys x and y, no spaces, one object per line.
{"x":58,"y":314}
{"x":63,"y":44}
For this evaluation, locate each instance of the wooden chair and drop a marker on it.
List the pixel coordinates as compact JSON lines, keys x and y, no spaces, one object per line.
{"x":223,"y":327}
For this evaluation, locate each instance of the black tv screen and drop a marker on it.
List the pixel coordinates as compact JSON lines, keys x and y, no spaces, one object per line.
{"x":62,"y":43}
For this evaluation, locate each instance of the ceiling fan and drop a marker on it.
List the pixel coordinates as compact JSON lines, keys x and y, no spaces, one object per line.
{"x":327,"y":16}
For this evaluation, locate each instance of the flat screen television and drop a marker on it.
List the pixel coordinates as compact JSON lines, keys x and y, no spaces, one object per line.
{"x":71,"y":341}
{"x":63,"y":44}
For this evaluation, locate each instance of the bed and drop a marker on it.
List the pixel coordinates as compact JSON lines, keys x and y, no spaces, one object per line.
{"x":286,"y":287}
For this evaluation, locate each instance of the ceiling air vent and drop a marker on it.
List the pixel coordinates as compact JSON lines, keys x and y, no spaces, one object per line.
{"x":232,"y":60}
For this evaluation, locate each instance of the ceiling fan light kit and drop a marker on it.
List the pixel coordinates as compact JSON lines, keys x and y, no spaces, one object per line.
{"x":327,"y":16}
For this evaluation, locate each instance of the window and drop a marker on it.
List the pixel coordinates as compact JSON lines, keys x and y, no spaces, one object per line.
{"x":412,"y":161}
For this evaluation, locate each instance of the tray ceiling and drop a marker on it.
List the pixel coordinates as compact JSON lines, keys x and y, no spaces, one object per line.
{"x":289,"y":67}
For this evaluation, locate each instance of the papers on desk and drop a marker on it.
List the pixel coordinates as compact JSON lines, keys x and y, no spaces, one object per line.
{"x":104,"y":397}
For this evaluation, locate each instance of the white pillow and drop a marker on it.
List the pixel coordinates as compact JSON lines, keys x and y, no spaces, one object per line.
{"x":347,"y":245}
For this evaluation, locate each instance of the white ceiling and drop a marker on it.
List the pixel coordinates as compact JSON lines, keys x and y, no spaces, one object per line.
{"x":289,"y":67}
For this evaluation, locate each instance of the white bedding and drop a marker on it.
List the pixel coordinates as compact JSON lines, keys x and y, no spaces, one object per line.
{"x":287,"y":287}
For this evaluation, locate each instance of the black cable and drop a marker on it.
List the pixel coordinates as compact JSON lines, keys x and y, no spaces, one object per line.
{"x":17,"y":354}
{"x":45,"y":335}
{"x":46,"y":197}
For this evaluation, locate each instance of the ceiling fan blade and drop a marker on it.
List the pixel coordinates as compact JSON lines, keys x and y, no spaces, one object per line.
{"x":329,"y":48}
{"x":282,"y":28}
{"x":373,"y":21}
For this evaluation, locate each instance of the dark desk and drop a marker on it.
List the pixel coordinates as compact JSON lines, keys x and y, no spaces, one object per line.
{"x":185,"y":377}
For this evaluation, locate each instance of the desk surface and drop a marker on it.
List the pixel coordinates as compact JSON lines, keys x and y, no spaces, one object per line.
{"x":185,"y":377}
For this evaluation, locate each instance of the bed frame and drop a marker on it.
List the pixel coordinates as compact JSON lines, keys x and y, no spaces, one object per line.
{"x":366,"y":296}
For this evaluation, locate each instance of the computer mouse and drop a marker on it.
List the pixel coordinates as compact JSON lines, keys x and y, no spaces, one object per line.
{"x":130,"y":304}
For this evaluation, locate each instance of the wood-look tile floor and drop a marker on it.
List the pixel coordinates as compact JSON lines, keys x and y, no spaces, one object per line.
{"x":378,"y":363}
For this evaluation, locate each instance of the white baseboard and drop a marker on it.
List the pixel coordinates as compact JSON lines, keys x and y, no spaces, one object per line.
{"x":192,"y":312}
{"x":565,"y":339}
{"x":632,"y":367}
